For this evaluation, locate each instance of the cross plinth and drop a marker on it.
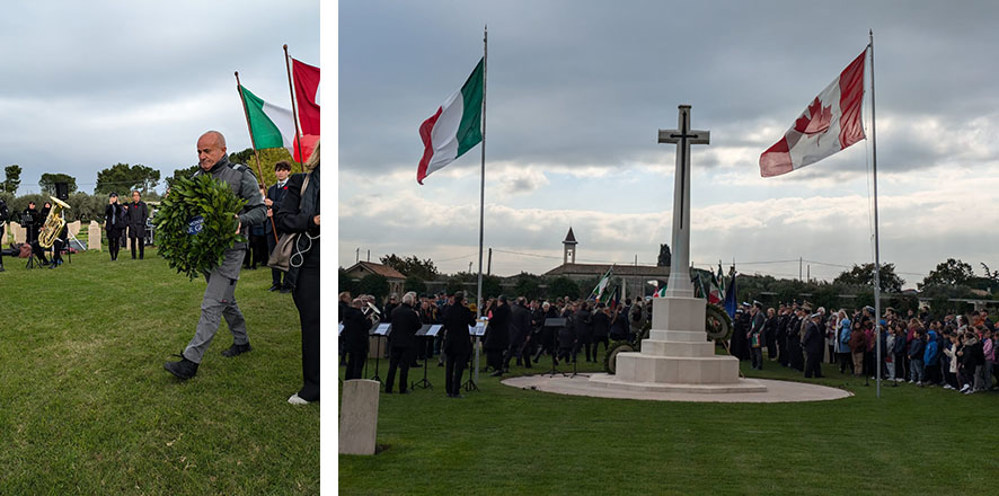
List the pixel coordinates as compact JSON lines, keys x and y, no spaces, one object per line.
{"x":679,"y":285}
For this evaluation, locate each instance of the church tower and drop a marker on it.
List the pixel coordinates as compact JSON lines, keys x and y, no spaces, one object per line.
{"x":569,"y":248}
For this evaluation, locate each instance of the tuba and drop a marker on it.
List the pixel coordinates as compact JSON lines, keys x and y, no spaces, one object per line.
{"x":53,"y":224}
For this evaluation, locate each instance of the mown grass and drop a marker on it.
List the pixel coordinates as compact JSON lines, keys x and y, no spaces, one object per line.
{"x":504,"y":440}
{"x":86,"y":407}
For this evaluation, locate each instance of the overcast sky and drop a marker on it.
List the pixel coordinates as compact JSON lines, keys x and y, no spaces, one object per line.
{"x":85,"y":85}
{"x":576,"y":91}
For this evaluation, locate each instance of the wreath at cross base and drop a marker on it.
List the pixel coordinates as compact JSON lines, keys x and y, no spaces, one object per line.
{"x":196,"y":223}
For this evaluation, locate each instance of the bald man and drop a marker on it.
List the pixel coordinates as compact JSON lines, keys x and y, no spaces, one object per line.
{"x":220,"y":296}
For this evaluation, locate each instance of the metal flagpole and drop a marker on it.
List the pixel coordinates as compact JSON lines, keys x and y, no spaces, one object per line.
{"x":253,"y":141}
{"x":294,"y":112}
{"x":482,"y":184}
{"x":877,"y":242}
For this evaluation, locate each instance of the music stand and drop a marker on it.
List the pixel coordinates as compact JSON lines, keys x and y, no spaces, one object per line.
{"x":428,"y":330}
{"x":478,"y":331}
{"x":381,"y":331}
{"x":555,"y":323}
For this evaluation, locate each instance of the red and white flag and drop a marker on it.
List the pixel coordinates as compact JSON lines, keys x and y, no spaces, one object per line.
{"x":830,"y":123}
{"x":307,"y":97}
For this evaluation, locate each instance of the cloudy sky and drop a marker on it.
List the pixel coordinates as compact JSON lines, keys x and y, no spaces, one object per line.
{"x":578,"y":89}
{"x":86,"y":85}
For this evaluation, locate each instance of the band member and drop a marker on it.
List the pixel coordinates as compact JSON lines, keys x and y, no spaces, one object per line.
{"x":32,"y":220}
{"x":457,"y":343}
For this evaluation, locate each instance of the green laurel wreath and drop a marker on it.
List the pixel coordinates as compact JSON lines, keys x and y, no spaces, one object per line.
{"x":190,"y":251}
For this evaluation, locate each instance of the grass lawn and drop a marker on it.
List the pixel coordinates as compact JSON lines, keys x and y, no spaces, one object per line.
{"x":510,"y":441}
{"x":86,"y":407}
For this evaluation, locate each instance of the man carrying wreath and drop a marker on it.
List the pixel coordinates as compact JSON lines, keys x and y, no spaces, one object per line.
{"x":219,"y":300}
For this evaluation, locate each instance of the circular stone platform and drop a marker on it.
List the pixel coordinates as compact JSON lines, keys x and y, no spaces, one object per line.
{"x":582,"y":385}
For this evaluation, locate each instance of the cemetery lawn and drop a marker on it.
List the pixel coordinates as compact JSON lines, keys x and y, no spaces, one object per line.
{"x":508,"y":441}
{"x":86,"y":407}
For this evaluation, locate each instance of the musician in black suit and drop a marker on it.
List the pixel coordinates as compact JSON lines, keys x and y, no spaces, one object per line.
{"x":114,"y":224}
{"x":405,"y":323}
{"x":520,"y":333}
{"x":33,"y":221}
{"x":497,"y":338}
{"x":457,"y":343}
{"x":355,"y":338}
{"x":275,"y":194}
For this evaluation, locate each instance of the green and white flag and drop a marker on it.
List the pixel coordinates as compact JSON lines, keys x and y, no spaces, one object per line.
{"x":270,"y":126}
{"x":598,"y":291}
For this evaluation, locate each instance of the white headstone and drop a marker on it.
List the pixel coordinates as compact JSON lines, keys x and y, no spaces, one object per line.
{"x":94,"y":236}
{"x":20,"y":233}
{"x":359,"y":417}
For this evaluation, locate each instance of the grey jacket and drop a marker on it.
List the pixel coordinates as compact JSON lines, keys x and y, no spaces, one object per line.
{"x":244,"y":185}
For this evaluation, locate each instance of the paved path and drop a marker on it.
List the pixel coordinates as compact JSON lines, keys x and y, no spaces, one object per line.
{"x":580,"y":385}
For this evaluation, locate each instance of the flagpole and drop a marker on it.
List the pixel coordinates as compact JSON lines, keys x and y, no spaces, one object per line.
{"x":253,"y":142}
{"x":482,"y":184}
{"x":877,"y":241}
{"x":294,"y":112}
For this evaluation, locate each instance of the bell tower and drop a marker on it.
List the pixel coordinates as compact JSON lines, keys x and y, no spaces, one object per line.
{"x":569,"y":248}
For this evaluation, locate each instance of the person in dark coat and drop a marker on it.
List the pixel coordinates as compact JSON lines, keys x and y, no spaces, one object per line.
{"x":770,"y":334}
{"x":497,"y":338}
{"x":301,"y":215}
{"x":754,"y":335}
{"x":739,"y":344}
{"x":520,"y":333}
{"x":457,"y":343}
{"x":114,"y":225}
{"x":275,"y":194}
{"x":405,"y":323}
{"x":355,"y":338}
{"x":812,"y":343}
{"x":583,"y":321}
{"x":601,"y":328}
{"x":138,"y":213}
{"x":547,"y":333}
{"x":567,"y":334}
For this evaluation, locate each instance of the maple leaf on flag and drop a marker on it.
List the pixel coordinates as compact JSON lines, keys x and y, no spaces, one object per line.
{"x":817,"y":121}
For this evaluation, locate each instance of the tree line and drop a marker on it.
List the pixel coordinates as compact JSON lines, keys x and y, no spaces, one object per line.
{"x":122,"y":179}
{"x":853,"y":288}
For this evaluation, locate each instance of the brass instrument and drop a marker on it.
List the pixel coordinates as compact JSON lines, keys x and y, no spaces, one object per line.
{"x":53,"y":224}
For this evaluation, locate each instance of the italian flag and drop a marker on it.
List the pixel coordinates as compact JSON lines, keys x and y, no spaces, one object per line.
{"x":272,"y":126}
{"x":455,"y":128}
{"x":830,"y":123}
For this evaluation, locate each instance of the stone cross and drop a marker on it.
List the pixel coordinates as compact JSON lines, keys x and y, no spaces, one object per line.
{"x":679,"y":285}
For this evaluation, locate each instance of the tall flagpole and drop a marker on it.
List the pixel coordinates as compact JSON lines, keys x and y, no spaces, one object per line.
{"x":482,"y":184}
{"x":253,"y":141}
{"x":877,"y":240}
{"x":294,"y":112}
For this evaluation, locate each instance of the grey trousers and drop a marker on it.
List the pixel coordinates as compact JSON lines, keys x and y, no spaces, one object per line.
{"x":219,"y":301}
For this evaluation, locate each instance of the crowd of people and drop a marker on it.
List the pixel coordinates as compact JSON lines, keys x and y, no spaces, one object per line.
{"x":518,"y":331}
{"x":956,"y":352}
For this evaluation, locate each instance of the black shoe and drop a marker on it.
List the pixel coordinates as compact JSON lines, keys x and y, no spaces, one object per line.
{"x":274,"y":287}
{"x":54,"y":265}
{"x":236,"y":349}
{"x":1,"y":268}
{"x":184,"y":369}
{"x":285,"y":289}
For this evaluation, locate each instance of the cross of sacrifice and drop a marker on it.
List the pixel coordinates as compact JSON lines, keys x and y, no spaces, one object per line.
{"x":679,"y":279}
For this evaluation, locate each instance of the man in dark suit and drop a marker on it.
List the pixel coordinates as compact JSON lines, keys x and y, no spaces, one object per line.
{"x":138,"y":212}
{"x":812,"y":343}
{"x":405,"y":323}
{"x":457,"y":343}
{"x":497,"y":335}
{"x":520,"y":333}
{"x":275,"y":194}
{"x":355,"y":338}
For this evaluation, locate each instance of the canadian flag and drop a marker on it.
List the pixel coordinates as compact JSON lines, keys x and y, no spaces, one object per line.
{"x":830,"y":123}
